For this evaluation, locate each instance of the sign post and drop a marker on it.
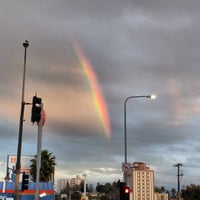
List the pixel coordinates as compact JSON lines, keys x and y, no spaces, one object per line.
{"x":39,"y":146}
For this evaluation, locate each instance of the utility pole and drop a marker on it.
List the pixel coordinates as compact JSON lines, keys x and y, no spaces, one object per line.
{"x":18,"y":164}
{"x":179,"y":175}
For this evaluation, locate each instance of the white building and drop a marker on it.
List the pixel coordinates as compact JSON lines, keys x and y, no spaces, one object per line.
{"x":142,"y":182}
{"x":75,"y":181}
{"x":62,"y":183}
{"x":161,"y":196}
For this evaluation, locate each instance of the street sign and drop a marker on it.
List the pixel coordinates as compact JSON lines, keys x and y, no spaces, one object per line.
{"x":126,"y":167}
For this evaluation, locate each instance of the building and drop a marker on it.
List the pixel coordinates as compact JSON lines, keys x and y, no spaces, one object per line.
{"x":75,"y":181}
{"x":161,"y":196}
{"x":142,"y":182}
{"x":62,"y":183}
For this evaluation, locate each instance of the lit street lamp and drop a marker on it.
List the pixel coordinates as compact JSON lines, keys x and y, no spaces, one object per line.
{"x":125,"y":138}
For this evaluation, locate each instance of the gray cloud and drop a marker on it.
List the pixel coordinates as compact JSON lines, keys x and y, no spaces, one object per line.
{"x":135,"y":48}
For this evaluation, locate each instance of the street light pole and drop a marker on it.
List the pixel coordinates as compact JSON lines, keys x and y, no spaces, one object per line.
{"x":18,"y":163}
{"x":84,"y":192}
{"x":125,"y":129}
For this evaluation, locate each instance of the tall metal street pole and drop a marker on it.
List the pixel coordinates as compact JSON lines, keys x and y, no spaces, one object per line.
{"x":125,"y":128}
{"x":18,"y":164}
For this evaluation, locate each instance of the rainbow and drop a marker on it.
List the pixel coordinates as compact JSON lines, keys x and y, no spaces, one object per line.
{"x":97,"y":96}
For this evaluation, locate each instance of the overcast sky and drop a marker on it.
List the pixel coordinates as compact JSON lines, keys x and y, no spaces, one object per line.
{"x":134,"y":47}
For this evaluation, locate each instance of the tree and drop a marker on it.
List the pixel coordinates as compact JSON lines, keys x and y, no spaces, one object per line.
{"x":173,"y":192}
{"x":191,"y":192}
{"x":116,"y":190}
{"x":66,"y":190}
{"x":81,"y":186}
{"x":162,"y":189}
{"x":105,"y":197}
{"x":76,"y":195}
{"x":100,"y":188}
{"x":109,"y":191}
{"x":47,"y":168}
{"x":159,"y":190}
{"x":90,"y":188}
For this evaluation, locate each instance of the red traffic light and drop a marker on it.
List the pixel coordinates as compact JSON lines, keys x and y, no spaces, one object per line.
{"x":126,"y":190}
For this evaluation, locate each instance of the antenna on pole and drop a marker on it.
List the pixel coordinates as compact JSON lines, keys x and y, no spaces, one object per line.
{"x":179,"y":177}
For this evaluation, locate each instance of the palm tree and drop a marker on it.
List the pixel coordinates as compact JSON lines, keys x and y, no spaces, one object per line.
{"x":47,"y":166}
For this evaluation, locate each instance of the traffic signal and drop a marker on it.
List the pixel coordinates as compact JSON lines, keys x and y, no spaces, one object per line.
{"x":36,"y":109}
{"x":124,"y":191}
{"x":25,"y":181}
